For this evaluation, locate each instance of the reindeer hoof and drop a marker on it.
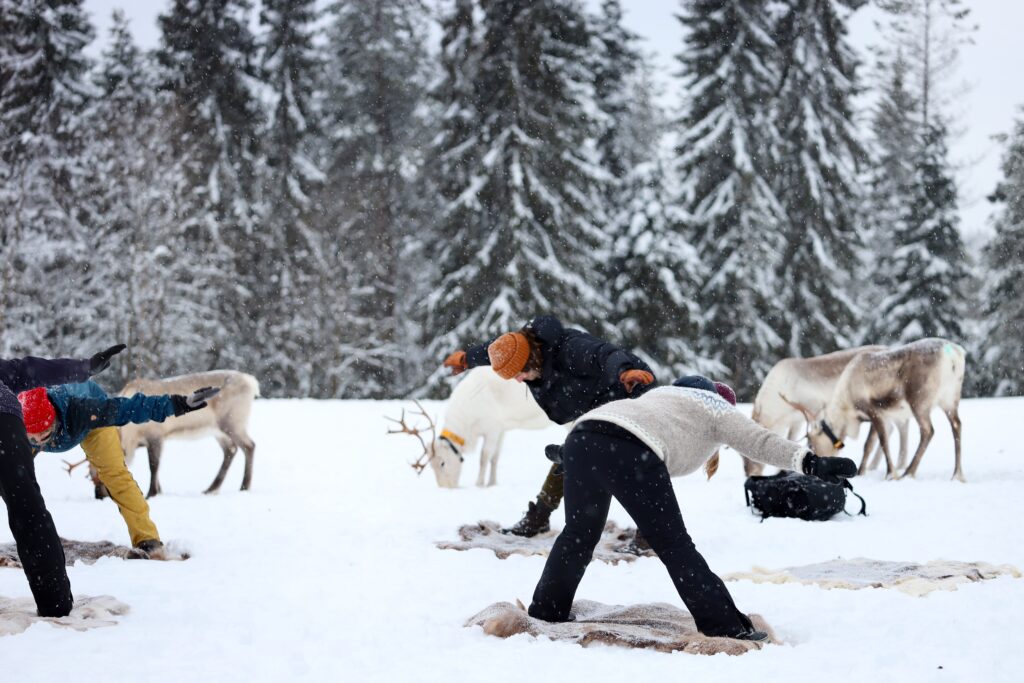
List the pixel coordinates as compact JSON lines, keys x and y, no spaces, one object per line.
{"x":959,"y":476}
{"x":209,"y":491}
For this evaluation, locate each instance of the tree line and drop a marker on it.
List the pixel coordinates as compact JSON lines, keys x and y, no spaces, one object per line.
{"x":332,"y":199}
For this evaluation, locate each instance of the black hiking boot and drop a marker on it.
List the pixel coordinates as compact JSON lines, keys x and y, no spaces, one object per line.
{"x":535,"y":521}
{"x":637,"y":545}
{"x":752,"y":635}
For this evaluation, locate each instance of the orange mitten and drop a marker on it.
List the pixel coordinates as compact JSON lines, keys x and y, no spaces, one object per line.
{"x":632,"y":378}
{"x":456,"y":361}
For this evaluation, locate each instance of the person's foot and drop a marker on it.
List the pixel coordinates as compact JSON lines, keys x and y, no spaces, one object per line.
{"x":151,"y":549}
{"x":535,"y":521}
{"x":637,"y":545}
{"x":752,"y":635}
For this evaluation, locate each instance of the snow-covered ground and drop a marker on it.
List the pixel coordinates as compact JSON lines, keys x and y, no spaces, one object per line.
{"x":327,"y":569}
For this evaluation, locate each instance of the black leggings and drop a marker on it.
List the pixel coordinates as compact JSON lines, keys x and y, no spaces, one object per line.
{"x":601,"y":461}
{"x":39,"y":547}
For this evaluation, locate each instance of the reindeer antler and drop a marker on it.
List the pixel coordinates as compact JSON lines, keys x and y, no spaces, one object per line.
{"x":69,"y":467}
{"x":404,"y":428}
{"x":808,"y":415}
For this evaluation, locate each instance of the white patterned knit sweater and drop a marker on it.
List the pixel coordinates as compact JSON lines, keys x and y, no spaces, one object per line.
{"x":684,"y":427}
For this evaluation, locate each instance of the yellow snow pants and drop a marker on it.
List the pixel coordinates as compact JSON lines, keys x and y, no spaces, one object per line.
{"x":103,"y":450}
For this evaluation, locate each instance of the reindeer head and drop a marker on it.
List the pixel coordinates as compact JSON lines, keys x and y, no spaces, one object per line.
{"x":443,"y":460}
{"x":446,"y":463}
{"x":821,"y":438}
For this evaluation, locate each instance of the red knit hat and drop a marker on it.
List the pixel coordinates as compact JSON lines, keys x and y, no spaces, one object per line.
{"x":726,"y":392}
{"x":36,"y":410}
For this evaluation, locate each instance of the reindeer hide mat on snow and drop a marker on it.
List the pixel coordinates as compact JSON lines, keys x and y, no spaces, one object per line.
{"x":18,"y":614}
{"x":487,"y":535}
{"x":912,"y":578}
{"x":656,"y":626}
{"x":88,"y":552}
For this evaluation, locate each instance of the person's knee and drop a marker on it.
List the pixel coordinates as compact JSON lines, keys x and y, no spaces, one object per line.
{"x":665,"y":542}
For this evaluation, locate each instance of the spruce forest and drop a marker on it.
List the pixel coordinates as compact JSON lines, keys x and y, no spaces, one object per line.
{"x":333,"y":196}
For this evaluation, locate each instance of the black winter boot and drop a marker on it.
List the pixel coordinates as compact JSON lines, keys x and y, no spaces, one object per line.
{"x":535,"y":521}
{"x":752,"y":635}
{"x":637,"y":545}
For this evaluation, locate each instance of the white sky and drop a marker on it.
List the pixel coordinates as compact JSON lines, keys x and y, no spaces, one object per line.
{"x":991,"y":66}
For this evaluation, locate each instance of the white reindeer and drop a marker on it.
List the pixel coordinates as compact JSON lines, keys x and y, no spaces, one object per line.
{"x":226,"y":418}
{"x":877,"y":386}
{"x":483,"y":406}
{"x":810,"y":382}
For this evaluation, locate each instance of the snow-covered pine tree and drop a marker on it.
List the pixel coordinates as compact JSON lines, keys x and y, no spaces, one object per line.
{"x":657,"y":275}
{"x":1003,"y":358}
{"x":296,"y":264}
{"x":208,"y":56}
{"x":519,"y":236}
{"x":44,"y":235}
{"x":616,"y":59}
{"x":726,"y":161}
{"x":893,"y":149}
{"x":129,"y":291}
{"x":816,"y":179}
{"x":927,"y":299}
{"x":374,"y":89}
{"x":929,"y":33}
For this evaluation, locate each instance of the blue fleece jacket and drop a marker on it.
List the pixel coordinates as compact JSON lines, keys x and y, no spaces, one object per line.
{"x":84,"y":407}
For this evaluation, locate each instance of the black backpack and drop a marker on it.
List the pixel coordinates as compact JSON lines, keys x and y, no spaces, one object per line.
{"x":788,"y":494}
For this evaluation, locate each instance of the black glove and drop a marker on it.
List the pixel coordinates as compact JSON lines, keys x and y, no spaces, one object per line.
{"x":186,"y":404}
{"x":829,"y":469}
{"x":554,"y":453}
{"x":101,"y":361}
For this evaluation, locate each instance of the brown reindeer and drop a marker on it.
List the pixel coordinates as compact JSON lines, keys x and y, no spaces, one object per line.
{"x":809,"y":382}
{"x":881,"y":386}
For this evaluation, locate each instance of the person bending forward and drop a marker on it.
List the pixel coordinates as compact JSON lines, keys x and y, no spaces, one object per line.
{"x":629,"y":450}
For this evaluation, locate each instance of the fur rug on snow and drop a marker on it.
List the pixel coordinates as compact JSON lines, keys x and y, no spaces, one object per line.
{"x":655,"y":626}
{"x":912,"y":578}
{"x":90,"y":551}
{"x":18,"y":614}
{"x":487,"y":535}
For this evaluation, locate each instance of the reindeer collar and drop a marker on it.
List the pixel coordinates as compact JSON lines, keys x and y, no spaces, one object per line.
{"x":837,"y":443}
{"x":454,"y":440}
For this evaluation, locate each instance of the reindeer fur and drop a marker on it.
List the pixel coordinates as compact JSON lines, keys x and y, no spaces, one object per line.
{"x":880,"y":386}
{"x":226,"y":418}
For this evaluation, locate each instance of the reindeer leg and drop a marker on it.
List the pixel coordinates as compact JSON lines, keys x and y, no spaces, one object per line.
{"x":869,"y":446}
{"x":878,"y":423}
{"x":227,"y":444}
{"x":904,"y":428}
{"x":99,"y":491}
{"x":924,"y":421}
{"x":495,"y":453}
{"x":249,"y":448}
{"x":481,"y":475}
{"x":875,"y":461}
{"x":954,"y":422}
{"x":154,"y":448}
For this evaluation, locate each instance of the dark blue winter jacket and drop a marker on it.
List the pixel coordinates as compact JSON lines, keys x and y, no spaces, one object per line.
{"x":84,"y":407}
{"x":580,"y":372}
{"x":22,"y":374}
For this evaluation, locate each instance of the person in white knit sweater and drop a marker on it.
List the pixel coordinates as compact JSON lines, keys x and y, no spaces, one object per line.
{"x":629,"y":450}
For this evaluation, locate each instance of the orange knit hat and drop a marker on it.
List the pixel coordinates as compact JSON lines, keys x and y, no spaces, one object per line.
{"x":508,"y":354}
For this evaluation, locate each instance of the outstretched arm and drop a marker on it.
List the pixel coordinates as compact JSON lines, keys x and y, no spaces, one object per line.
{"x":22,"y":374}
{"x":588,"y":356}
{"x":114,"y":412}
{"x":757,"y":443}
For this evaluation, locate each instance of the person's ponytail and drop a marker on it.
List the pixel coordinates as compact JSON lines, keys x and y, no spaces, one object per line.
{"x":711,"y":466}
